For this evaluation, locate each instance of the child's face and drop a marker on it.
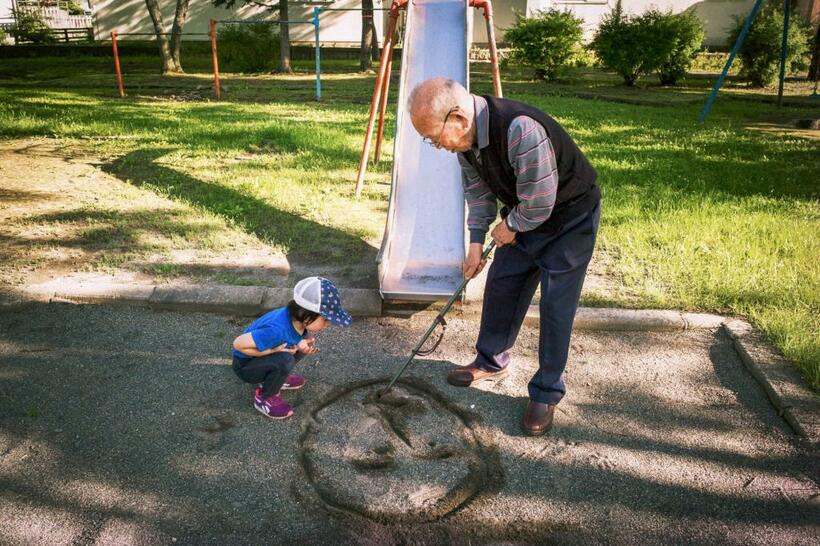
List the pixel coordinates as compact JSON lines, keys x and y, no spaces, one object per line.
{"x":317,"y":325}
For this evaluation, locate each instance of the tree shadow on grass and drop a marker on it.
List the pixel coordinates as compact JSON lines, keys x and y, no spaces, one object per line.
{"x":304,"y":242}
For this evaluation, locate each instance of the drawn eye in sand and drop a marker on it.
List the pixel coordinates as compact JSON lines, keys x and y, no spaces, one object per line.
{"x":405,"y":456}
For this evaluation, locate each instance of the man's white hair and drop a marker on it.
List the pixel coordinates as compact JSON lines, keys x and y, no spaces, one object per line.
{"x":436,"y":96}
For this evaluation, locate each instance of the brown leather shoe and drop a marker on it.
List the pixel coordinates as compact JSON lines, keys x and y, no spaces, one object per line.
{"x":466,"y":376}
{"x":537,"y":418}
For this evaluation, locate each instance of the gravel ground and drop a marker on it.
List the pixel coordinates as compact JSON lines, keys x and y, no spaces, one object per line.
{"x":127,"y":426}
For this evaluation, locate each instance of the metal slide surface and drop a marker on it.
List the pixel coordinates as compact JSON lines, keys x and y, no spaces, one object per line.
{"x":423,"y":245}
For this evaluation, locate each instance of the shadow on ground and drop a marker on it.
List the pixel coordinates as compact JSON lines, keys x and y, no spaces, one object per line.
{"x":128,"y":425}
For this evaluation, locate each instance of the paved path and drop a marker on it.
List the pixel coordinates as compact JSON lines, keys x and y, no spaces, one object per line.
{"x":126,"y":426}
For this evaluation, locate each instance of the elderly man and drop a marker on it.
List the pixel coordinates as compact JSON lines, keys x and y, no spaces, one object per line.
{"x":518,"y":155}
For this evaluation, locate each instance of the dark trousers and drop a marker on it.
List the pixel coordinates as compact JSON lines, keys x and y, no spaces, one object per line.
{"x":559,"y":262}
{"x":271,"y":370}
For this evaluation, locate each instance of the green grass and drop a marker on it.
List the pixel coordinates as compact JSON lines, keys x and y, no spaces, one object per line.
{"x":717,"y":218}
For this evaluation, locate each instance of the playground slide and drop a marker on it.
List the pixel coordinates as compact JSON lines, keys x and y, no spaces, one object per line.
{"x":423,"y":245}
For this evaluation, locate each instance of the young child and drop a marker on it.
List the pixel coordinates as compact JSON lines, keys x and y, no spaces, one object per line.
{"x":272,"y":345}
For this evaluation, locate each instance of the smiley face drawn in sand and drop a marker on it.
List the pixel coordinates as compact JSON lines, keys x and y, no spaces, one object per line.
{"x":405,"y":456}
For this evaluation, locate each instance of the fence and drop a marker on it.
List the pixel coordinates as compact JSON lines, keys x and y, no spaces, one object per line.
{"x":60,"y":35}
{"x":57,"y":18}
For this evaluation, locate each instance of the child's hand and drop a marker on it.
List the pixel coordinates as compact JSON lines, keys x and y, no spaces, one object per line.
{"x":283,"y":348}
{"x":307,"y":346}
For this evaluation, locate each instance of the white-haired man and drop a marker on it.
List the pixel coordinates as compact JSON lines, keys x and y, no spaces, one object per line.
{"x":516,"y":154}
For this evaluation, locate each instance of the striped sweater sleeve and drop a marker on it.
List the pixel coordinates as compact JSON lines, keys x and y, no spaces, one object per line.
{"x":482,"y":207}
{"x":530,"y":153}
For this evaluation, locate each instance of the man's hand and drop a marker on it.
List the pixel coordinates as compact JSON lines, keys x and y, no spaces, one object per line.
{"x":502,"y":235}
{"x":308,"y":346}
{"x":473,"y":264}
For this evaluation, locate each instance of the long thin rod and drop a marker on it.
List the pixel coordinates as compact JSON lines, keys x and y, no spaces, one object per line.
{"x":383,"y":104}
{"x":784,"y":51}
{"x":374,"y":104}
{"x":739,"y":42}
{"x":436,"y":321}
{"x":316,"y":13}
{"x":215,"y":58}
{"x":117,"y":63}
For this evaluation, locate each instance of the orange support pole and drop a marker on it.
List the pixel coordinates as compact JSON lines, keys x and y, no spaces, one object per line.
{"x":117,"y":63}
{"x":371,"y":122}
{"x":212,"y":32}
{"x":383,"y":106}
{"x":487,"y":6}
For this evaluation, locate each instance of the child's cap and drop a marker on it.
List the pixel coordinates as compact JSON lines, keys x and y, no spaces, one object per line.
{"x":319,"y":295}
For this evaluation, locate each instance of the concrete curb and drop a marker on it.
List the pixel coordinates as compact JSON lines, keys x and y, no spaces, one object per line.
{"x":780,"y":379}
{"x":239,"y":300}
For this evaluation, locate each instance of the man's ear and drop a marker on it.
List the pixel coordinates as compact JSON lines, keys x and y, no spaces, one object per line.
{"x":461,"y":120}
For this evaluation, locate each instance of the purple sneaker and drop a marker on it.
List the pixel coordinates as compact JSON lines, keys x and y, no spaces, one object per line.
{"x":274,"y":407}
{"x":293,"y":382}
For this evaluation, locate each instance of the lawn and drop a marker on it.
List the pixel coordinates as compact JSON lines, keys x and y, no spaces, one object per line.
{"x":721,"y":217}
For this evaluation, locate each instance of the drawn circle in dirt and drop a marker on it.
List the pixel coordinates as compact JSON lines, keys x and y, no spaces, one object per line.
{"x":408,"y":455}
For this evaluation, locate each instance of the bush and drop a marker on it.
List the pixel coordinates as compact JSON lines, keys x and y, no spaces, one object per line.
{"x":31,"y":27}
{"x":688,"y":34}
{"x":248,"y":47}
{"x":548,"y":41}
{"x":74,"y":8}
{"x":634,"y":46}
{"x":3,"y":36}
{"x":760,"y":51}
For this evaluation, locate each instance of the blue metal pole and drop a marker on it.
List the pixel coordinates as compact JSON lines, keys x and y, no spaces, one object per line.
{"x":784,"y":50}
{"x":316,"y":13}
{"x":739,"y":42}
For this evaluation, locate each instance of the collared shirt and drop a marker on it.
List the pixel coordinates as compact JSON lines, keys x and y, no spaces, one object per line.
{"x":532,"y":157}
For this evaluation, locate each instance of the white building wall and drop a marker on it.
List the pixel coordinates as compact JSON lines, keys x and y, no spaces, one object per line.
{"x":125,"y":16}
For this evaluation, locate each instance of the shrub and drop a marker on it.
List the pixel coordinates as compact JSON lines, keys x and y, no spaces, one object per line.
{"x":547,"y":41}
{"x":634,"y":46}
{"x":74,"y":8}
{"x":760,"y":51}
{"x":3,"y":36}
{"x":31,"y":27}
{"x":688,"y":33}
{"x":248,"y":47}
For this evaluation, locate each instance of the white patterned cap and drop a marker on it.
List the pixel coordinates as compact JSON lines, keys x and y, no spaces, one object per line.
{"x":319,"y":295}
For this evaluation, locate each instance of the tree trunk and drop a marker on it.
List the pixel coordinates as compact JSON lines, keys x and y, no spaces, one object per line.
{"x":168,"y":64}
{"x":284,"y":38}
{"x":176,"y":32}
{"x":814,"y":68}
{"x":375,"y":44}
{"x":368,"y":33}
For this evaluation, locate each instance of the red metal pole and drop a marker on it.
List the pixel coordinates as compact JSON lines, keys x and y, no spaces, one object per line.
{"x":487,"y":6}
{"x":117,"y":62}
{"x":383,"y":106}
{"x":215,"y":60}
{"x":388,"y":45}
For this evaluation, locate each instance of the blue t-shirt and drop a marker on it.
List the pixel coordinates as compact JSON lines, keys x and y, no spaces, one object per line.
{"x":271,"y":330}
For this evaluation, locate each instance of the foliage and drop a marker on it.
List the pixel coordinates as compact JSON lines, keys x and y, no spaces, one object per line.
{"x":74,"y":8}
{"x":633,"y":46}
{"x":688,"y":34}
{"x":31,"y":27}
{"x":248,"y":47}
{"x":547,"y":41}
{"x":761,"y":48}
{"x":3,"y":36}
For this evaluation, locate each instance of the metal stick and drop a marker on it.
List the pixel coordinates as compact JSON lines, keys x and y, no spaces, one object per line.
{"x":436,"y":321}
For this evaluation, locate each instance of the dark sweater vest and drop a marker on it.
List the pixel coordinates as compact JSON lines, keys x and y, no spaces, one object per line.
{"x":577,"y":191}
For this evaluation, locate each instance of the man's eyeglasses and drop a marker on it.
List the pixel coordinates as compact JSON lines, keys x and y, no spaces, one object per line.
{"x":437,"y":143}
